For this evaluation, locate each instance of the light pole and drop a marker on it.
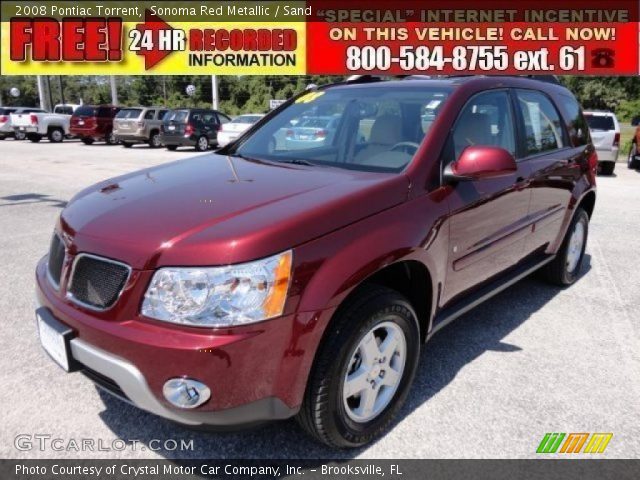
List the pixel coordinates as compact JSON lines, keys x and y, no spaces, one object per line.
{"x":214,"y":92}
{"x":114,"y":90}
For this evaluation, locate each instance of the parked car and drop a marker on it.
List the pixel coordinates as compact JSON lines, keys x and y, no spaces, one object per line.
{"x":191,"y":127}
{"x":605,"y":134}
{"x":6,"y":125}
{"x":311,"y":132}
{"x":93,"y":123}
{"x":37,"y":124}
{"x":261,"y":282}
{"x":139,"y":125}
{"x":229,"y":131}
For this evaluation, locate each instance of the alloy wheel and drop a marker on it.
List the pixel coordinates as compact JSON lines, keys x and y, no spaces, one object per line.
{"x":374,"y":372}
{"x":576,"y":244}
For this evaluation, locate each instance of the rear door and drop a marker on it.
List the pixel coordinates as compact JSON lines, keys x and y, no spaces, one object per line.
{"x":554,"y":163}
{"x":488,"y":217}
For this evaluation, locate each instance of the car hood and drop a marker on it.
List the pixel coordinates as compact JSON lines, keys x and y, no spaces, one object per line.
{"x":217,"y":210}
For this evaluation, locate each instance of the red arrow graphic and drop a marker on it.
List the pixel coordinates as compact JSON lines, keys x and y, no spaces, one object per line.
{"x":154,"y":24}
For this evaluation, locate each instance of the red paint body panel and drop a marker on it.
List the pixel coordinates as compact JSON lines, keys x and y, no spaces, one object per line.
{"x":342,"y":225}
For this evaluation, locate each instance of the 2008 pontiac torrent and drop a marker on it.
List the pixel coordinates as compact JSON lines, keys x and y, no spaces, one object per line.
{"x":262,"y":282}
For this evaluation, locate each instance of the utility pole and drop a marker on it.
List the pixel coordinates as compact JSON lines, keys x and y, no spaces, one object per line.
{"x":44,"y":93}
{"x":114,"y":90}
{"x":49,"y":95}
{"x":214,"y":92}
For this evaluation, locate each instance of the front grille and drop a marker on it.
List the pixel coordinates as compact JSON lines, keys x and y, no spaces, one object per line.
{"x":97,"y":282}
{"x":56,"y":260}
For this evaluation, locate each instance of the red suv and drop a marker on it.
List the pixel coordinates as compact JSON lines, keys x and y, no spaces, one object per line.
{"x":263,"y":282}
{"x":94,"y":123}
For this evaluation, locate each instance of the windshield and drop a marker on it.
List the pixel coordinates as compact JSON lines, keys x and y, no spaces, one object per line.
{"x":129,"y":113}
{"x":361,"y":128}
{"x":600,"y":122}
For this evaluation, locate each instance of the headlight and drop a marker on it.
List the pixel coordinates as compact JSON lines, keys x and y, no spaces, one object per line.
{"x":220,"y":296}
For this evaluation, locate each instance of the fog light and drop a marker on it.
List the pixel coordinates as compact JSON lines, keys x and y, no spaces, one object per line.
{"x":185,"y":392}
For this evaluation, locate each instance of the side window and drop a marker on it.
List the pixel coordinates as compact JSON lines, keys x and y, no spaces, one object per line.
{"x":209,"y":118}
{"x":196,"y":118}
{"x":543,"y":127}
{"x":149,"y":115}
{"x":578,"y":128}
{"x":223,"y":118}
{"x":486,"y":120}
{"x":161,"y":114}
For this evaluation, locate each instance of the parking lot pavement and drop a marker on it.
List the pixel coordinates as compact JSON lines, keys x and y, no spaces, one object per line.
{"x":535,"y":359}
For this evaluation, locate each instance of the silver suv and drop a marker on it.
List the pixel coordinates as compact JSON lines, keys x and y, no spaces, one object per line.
{"x":139,"y":125}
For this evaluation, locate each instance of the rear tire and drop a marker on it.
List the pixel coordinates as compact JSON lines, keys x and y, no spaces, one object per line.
{"x":56,"y":135}
{"x":20,"y":135}
{"x":34,"y":137}
{"x":607,"y":168}
{"x":337,"y":414}
{"x":565,"y":268}
{"x":173,"y":148}
{"x":154,"y":140}
{"x":87,"y":141}
{"x":202,"y":144}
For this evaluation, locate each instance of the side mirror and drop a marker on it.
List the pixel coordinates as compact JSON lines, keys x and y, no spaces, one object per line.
{"x":480,"y":162}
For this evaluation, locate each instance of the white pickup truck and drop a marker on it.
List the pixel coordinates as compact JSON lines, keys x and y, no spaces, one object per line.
{"x":54,"y":126}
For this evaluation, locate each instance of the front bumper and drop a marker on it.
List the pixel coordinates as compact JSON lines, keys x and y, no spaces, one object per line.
{"x":133,"y":388}
{"x":256,"y":373}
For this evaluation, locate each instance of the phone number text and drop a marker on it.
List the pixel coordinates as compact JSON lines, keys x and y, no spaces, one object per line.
{"x":463,"y":58}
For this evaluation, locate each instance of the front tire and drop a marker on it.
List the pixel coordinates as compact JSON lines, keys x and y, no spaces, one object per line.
{"x":565,"y":268}
{"x":363,"y":370}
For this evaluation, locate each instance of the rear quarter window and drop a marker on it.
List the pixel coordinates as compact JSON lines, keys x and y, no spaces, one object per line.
{"x":542,"y":123}
{"x":578,"y":127}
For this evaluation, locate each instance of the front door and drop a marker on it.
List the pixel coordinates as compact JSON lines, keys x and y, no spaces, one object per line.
{"x":487,"y":217}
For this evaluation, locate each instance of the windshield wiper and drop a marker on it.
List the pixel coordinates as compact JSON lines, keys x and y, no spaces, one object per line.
{"x":298,"y":161}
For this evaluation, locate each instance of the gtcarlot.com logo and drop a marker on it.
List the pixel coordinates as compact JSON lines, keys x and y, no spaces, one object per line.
{"x":574,"y":443}
{"x":46,"y":442}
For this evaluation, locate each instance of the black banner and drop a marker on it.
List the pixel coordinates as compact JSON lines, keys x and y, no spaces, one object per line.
{"x":547,"y":469}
